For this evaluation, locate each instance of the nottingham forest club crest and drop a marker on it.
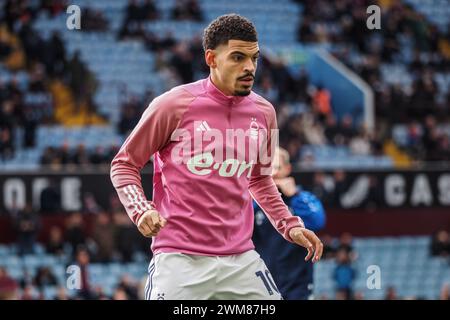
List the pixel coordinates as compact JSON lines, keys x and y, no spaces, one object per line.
{"x":254,"y":129}
{"x":160,"y":296}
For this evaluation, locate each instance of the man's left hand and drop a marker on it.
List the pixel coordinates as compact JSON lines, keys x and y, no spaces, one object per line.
{"x":308,"y":239}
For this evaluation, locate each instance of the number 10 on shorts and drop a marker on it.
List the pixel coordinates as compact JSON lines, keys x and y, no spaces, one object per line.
{"x":268,"y":282}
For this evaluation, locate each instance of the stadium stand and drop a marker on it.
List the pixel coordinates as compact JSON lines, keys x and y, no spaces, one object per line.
{"x":70,"y":97}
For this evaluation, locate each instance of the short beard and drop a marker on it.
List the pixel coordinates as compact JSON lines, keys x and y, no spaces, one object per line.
{"x":242,"y":93}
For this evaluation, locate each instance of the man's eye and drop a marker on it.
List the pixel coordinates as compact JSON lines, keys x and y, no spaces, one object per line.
{"x":237,"y":58}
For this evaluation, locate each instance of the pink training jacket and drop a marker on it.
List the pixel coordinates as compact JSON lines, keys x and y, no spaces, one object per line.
{"x":207,"y":203}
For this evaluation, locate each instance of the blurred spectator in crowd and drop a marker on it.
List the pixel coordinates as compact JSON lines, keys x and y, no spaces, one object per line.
{"x":358,"y":295}
{"x":82,"y":81}
{"x":445,"y":292}
{"x":115,"y":206}
{"x":322,"y":187}
{"x":343,"y":275}
{"x":120,"y":294}
{"x":391,"y":294}
{"x":82,"y":260}
{"x":268,"y":90}
{"x":27,"y":227}
{"x":68,"y":158}
{"x":26,"y":279}
{"x":360,"y":143}
{"x":322,"y":103}
{"x":75,"y":235}
{"x":6,"y":144}
{"x":100,"y":294}
{"x":440,"y":244}
{"x":183,"y":62}
{"x":133,"y":12}
{"x":312,"y":131}
{"x":80,"y":156}
{"x":130,"y":116}
{"x":55,"y":243}
{"x":51,"y":198}
{"x":130,"y":288}
{"x":8,"y":286}
{"x":343,"y":294}
{"x":329,"y":248}
{"x":44,"y":277}
{"x":93,"y":20}
{"x":7,"y":123}
{"x":331,"y":129}
{"x":187,"y":10}
{"x":346,"y":243}
{"x":61,"y":294}
{"x":53,"y":7}
{"x":14,"y":210}
{"x":127,"y":240}
{"x":149,"y":10}
{"x":56,"y":62}
{"x":5,"y":48}
{"x":104,"y":238}
{"x":346,"y":129}
{"x":305,"y":32}
{"x":135,"y":15}
{"x":444,"y":148}
{"x":29,"y":123}
{"x":138,"y":11}
{"x":98,"y":157}
{"x":28,"y":293}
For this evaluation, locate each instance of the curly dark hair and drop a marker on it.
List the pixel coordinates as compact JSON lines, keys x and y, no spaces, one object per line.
{"x":228,"y":27}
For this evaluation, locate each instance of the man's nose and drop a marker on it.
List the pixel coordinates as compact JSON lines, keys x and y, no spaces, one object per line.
{"x":249,"y":67}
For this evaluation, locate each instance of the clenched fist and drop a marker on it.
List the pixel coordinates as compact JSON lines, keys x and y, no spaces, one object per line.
{"x":150,"y":223}
{"x":308,"y":239}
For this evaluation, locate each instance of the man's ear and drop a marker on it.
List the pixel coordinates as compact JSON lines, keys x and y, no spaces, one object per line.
{"x":210,"y":58}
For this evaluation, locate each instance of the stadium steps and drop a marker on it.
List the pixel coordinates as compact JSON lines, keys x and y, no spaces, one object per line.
{"x":400,"y":158}
{"x":65,"y":108}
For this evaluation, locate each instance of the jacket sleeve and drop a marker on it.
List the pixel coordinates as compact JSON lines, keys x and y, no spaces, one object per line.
{"x":263,"y":189}
{"x":150,"y":135}
{"x":308,"y":207}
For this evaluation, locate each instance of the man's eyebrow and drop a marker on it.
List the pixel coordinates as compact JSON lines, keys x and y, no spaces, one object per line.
{"x":242,"y":53}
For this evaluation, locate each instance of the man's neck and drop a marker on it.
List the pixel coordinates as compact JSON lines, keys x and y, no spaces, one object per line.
{"x":216,"y":82}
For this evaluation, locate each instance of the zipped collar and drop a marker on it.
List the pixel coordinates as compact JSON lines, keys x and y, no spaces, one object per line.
{"x":219,"y":96}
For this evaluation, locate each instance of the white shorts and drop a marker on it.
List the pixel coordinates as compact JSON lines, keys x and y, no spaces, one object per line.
{"x":178,"y":276}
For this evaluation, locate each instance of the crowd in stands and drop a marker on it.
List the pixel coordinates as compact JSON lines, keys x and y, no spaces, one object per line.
{"x":343,"y":24}
{"x":426,"y":141}
{"x":406,"y":39}
{"x":440,"y":244}
{"x":66,"y":157}
{"x":114,"y":238}
{"x":43,"y":61}
{"x":342,"y":251}
{"x":108,"y":236}
{"x":304,"y":110}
